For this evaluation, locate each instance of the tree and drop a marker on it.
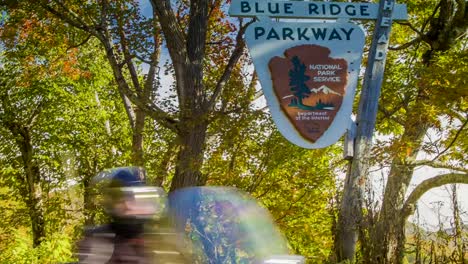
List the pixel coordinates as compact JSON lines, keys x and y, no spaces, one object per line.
{"x":49,"y":92}
{"x":97,"y":135}
{"x":128,"y":37}
{"x":53,"y":144}
{"x":298,"y":79}
{"x":22,"y":100}
{"x":428,"y":98}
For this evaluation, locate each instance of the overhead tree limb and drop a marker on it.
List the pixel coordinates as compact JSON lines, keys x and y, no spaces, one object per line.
{"x":291,"y":206}
{"x":72,"y":18}
{"x":71,"y":13}
{"x":175,"y":39}
{"x":235,"y":56}
{"x":437,"y":165}
{"x":153,"y":63}
{"x":433,"y":162}
{"x":406,"y":23}
{"x":422,"y":188}
{"x":428,"y":20}
{"x":406,"y":45}
{"x":456,"y":113}
{"x":197,"y":27}
{"x":140,"y":58}
{"x":122,"y":84}
{"x":81,"y":42}
{"x":128,"y":57}
{"x":150,"y":77}
{"x":173,"y":33}
{"x":143,"y":103}
{"x":389,"y":114}
{"x":452,"y":142}
{"x":152,"y":110}
{"x":35,"y":114}
{"x":213,"y":6}
{"x":462,"y":11}
{"x":104,"y":36}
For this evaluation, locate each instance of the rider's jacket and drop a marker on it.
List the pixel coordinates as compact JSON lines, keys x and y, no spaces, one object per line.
{"x":102,"y":245}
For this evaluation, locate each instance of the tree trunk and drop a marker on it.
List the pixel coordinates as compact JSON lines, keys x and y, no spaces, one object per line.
{"x":37,"y":220}
{"x":190,"y":157}
{"x":186,"y":44}
{"x":88,"y":201}
{"x":390,"y":229}
{"x":389,"y":235}
{"x":458,"y":236}
{"x":137,"y":138}
{"x":349,"y":217}
{"x":163,"y":168}
{"x":31,"y":169}
{"x":187,"y":50}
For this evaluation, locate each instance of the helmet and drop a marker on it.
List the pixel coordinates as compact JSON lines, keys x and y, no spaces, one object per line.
{"x":126,"y":195}
{"x":122,"y":177}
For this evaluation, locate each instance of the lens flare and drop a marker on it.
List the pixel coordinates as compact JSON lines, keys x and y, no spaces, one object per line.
{"x":224,"y":225}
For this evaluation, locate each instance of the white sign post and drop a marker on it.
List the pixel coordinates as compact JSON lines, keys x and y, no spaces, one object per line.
{"x":286,"y":67}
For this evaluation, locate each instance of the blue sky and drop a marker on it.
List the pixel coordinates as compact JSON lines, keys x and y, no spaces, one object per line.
{"x":146,"y":8}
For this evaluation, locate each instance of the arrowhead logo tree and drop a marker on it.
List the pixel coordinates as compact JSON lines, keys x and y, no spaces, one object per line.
{"x":308,"y":72}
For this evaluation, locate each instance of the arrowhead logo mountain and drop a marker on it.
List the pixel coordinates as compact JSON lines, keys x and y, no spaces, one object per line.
{"x":308,"y":72}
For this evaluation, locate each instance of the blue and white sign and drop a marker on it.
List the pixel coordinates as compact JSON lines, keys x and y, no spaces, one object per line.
{"x":308,"y":72}
{"x":306,"y":9}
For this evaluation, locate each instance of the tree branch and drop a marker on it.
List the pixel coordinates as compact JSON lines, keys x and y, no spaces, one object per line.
{"x":151,"y":110}
{"x":173,"y":33}
{"x":126,"y":93}
{"x":434,"y":164}
{"x":122,"y":84}
{"x":153,"y":64}
{"x":462,"y":13}
{"x":389,"y":114}
{"x":34,"y":115}
{"x":235,"y":56}
{"x":143,"y":59}
{"x":81,"y":43}
{"x":127,"y":56}
{"x":438,"y":165}
{"x":453,"y":141}
{"x":406,"y":45}
{"x":175,"y":40}
{"x":422,"y":188}
{"x":68,"y":16}
{"x":290,"y":207}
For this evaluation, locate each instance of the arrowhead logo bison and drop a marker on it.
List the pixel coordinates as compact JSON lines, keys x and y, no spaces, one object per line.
{"x":309,"y":85}
{"x":309,"y":73}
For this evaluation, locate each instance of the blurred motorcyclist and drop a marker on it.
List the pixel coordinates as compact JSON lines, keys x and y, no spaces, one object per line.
{"x":129,"y":204}
{"x":214,"y":225}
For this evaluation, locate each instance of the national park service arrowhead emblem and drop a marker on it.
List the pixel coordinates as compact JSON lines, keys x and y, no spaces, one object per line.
{"x":309,"y":73}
